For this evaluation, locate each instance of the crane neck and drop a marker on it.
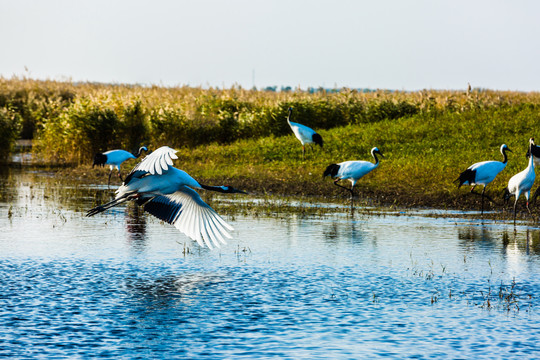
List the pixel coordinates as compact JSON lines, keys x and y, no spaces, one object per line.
{"x":141,"y":149}
{"x":531,"y":157}
{"x":223,"y":189}
{"x":376,"y":158}
{"x":505,"y":157}
{"x":289,"y":116}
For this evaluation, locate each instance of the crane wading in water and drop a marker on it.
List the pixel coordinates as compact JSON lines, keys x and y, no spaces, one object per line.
{"x":305,"y":134}
{"x":115,"y":158}
{"x":521,"y":183}
{"x":352,"y":170}
{"x":166,"y":192}
{"x":483,"y":173}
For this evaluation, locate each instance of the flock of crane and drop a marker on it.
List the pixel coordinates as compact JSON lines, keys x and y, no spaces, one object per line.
{"x":483,"y":173}
{"x":167,"y":192}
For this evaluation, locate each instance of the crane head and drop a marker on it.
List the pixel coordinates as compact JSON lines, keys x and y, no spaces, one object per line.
{"x":534,"y":149}
{"x":376,"y":150}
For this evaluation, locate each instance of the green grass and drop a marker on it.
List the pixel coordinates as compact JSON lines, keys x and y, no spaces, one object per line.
{"x":423,"y":156}
{"x":241,"y":136}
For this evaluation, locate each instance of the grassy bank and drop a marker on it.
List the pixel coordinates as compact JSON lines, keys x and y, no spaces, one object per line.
{"x":423,"y":156}
{"x":241,"y":137}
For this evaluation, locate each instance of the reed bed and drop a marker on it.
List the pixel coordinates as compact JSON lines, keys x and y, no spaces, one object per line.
{"x":241,"y":136}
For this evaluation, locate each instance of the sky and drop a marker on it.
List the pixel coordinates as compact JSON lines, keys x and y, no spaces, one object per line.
{"x":377,"y":44}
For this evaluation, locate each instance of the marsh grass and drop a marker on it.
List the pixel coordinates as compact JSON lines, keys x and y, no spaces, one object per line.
{"x":508,"y":297}
{"x":10,"y":127}
{"x":240,"y":136}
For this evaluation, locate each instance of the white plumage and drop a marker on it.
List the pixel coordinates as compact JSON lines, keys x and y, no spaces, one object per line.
{"x":483,"y":173}
{"x":352,"y":170}
{"x":522,"y":182}
{"x":305,"y":134}
{"x":166,"y":193}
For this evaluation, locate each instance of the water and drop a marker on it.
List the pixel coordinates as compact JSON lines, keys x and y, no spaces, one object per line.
{"x":124,"y":285}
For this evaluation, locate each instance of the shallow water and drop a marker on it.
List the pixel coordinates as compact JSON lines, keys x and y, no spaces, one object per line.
{"x":124,"y":285}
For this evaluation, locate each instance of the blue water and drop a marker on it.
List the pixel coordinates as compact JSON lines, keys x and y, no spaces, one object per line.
{"x":124,"y":285}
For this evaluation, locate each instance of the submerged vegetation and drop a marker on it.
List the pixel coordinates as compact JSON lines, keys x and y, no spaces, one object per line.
{"x":241,"y":136}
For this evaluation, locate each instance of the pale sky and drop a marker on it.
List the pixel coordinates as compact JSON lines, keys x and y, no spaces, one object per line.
{"x":387,"y":44}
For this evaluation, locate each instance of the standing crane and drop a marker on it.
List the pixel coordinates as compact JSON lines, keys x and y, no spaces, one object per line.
{"x":535,"y":151}
{"x":522,"y":182}
{"x":305,"y":134}
{"x":352,"y":170}
{"x":483,"y":173}
{"x":115,"y":158}
{"x":166,"y":192}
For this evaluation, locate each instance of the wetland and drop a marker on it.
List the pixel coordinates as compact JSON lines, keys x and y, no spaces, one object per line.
{"x":300,"y":279}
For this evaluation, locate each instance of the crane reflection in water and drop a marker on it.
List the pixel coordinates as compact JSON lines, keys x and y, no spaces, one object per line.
{"x":135,"y":227}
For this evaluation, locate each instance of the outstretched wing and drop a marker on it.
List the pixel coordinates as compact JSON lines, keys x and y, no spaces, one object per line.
{"x":191,"y":215}
{"x":158,"y":161}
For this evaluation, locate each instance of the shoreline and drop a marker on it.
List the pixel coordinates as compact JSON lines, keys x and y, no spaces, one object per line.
{"x":310,"y":192}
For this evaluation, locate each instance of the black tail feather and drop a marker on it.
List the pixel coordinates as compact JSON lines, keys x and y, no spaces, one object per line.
{"x":317,"y":139}
{"x":466,"y":176}
{"x":535,"y":151}
{"x":331,"y":170}
{"x":506,"y":195}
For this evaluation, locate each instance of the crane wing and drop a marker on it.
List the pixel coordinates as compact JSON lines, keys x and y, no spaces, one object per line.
{"x":303,"y":129}
{"x":191,"y":215}
{"x":158,"y":161}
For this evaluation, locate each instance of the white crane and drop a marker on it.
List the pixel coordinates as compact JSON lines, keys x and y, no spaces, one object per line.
{"x":115,"y":158}
{"x":535,"y":151}
{"x":522,"y":182}
{"x":166,"y":193}
{"x":352,"y":170}
{"x":305,"y":134}
{"x":483,"y":173}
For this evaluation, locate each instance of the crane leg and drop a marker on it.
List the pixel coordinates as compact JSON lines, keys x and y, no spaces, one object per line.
{"x":515,"y":203}
{"x":109,"y":182}
{"x":486,"y":196}
{"x":120,"y":176}
{"x":482,"y":211}
{"x":352,"y":193}
{"x":108,"y":205}
{"x":341,"y":186}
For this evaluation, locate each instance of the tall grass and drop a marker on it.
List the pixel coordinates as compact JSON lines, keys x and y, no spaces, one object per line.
{"x":424,"y":154}
{"x":72,"y":121}
{"x":10,"y":125}
{"x":241,"y":135}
